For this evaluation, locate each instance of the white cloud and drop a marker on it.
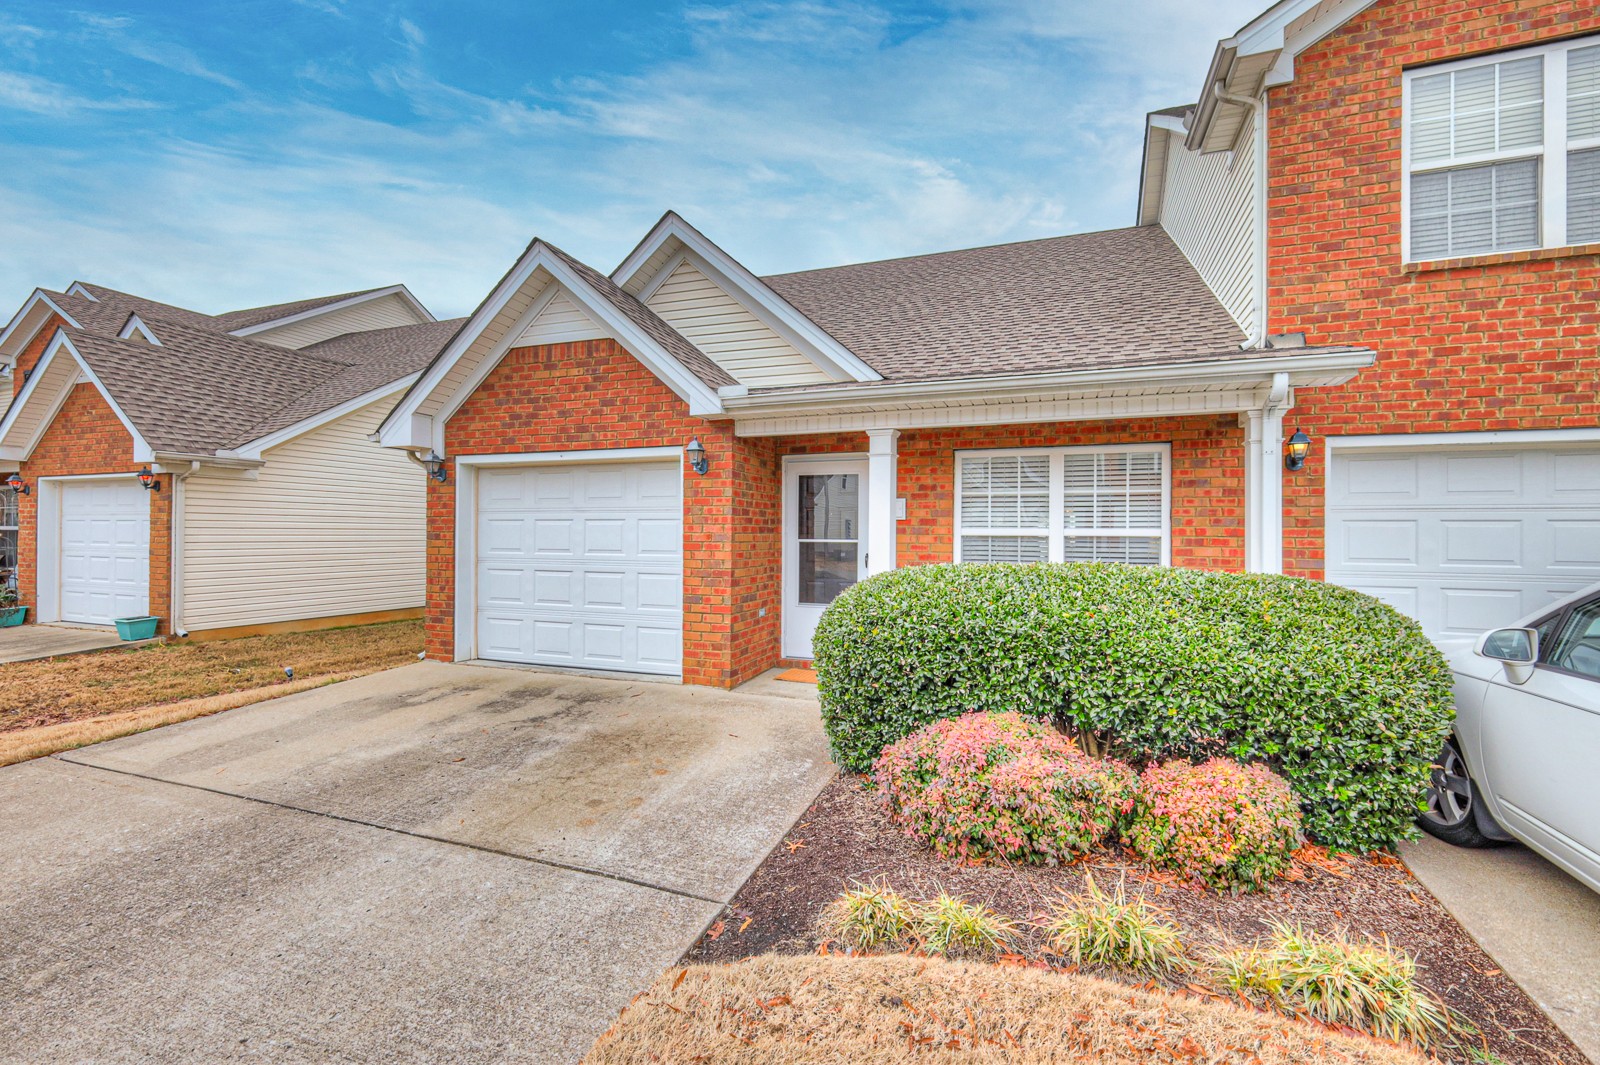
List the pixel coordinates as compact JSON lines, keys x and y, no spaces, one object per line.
{"x":115,"y":31}
{"x":28,"y":92}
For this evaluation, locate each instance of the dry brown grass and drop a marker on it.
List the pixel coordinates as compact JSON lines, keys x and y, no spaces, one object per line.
{"x":58,"y":704}
{"x":810,"y":1010}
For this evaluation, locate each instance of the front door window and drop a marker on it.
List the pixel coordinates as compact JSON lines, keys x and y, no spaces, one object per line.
{"x":829,"y":535}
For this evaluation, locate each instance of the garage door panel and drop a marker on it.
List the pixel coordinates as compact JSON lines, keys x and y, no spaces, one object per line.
{"x":595,"y":578}
{"x":104,"y":550}
{"x":1480,"y":538}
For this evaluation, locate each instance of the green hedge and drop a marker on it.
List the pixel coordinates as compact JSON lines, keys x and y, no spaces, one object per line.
{"x":1341,"y":694}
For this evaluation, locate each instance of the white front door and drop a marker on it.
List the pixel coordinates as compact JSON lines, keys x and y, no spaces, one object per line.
{"x":105,"y":550}
{"x":1464,"y":539}
{"x":824,"y":541}
{"x":581,"y":565}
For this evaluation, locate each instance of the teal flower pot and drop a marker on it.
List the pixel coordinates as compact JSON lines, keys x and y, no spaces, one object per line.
{"x":12,"y":615}
{"x":136,"y":628}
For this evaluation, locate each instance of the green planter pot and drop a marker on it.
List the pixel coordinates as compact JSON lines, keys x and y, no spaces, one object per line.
{"x":12,"y":615}
{"x":136,"y":628}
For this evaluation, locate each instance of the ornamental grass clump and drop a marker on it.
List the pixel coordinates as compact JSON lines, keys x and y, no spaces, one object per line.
{"x":948,"y":925}
{"x":1344,"y":695}
{"x":1234,"y":827}
{"x":1358,"y":984}
{"x":1001,"y":786}
{"x":869,"y":917}
{"x":1113,"y":931}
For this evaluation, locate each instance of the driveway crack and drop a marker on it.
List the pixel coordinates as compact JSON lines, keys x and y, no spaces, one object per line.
{"x":564,"y":866}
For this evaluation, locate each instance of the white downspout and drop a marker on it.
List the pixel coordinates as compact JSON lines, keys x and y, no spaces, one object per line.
{"x":175,"y":578}
{"x":1263,"y":479}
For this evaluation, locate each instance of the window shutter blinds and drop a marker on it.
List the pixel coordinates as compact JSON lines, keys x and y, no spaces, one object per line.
{"x":1497,"y":107}
{"x":1583,"y":197}
{"x":1475,"y":209}
{"x":1583,"y":93}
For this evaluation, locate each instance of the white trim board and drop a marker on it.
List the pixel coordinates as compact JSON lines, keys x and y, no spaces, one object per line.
{"x":10,"y":351}
{"x":1486,"y":438}
{"x":254,"y":448}
{"x":142,"y":451}
{"x":353,"y":301}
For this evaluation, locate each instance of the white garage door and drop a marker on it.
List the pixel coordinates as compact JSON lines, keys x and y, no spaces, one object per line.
{"x":582,"y":566}
{"x":105,"y":550}
{"x":1465,"y":540}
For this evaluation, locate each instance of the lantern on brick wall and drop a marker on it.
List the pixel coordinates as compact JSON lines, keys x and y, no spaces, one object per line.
{"x":697,"y":456}
{"x":1296,"y":450}
{"x":17,"y":484}
{"x":149,"y":480}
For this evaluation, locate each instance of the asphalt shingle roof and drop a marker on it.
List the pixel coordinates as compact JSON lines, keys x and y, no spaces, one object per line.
{"x":1122,"y":297}
{"x":202,"y":390}
{"x":244,"y":319}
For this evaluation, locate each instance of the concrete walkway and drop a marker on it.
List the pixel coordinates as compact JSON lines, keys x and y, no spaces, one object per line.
{"x":25,"y":643}
{"x":1538,"y":924}
{"x":437,"y":863}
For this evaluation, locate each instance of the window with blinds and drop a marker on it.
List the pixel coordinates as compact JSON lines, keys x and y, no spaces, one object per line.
{"x":8,"y":538}
{"x":1492,"y":165}
{"x":1078,"y":504}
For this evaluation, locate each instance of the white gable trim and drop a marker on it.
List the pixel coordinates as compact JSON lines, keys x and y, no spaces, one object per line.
{"x":317,"y":312}
{"x":407,"y":427}
{"x":18,"y":334}
{"x":134,"y":325}
{"x":757,"y":297}
{"x":21,"y":450}
{"x":77,"y":289}
{"x":1263,"y":53}
{"x":253,"y":450}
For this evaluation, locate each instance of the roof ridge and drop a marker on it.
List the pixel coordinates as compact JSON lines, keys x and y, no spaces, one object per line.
{"x":955,"y":251}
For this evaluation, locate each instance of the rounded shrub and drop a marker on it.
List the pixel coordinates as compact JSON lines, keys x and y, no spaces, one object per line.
{"x":1342,"y":694}
{"x":1232,"y":826}
{"x":1001,"y":786}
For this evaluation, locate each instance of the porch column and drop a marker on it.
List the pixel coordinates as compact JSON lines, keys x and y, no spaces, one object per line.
{"x":883,"y":488}
{"x":1263,"y":479}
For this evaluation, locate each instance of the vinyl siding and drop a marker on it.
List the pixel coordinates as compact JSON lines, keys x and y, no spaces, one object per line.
{"x":456,"y":378}
{"x":1208,"y":208}
{"x":333,"y":524}
{"x":561,"y":322}
{"x":733,"y":337}
{"x":374,"y":314}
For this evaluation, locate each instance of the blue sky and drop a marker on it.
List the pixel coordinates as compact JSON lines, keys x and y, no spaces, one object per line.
{"x":224,"y":155}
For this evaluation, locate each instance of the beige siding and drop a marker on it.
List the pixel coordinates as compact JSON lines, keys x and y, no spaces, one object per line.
{"x":333,"y":524}
{"x":725,"y":330}
{"x":373,"y":314}
{"x":1208,"y":208}
{"x":561,"y":322}
{"x":456,"y":379}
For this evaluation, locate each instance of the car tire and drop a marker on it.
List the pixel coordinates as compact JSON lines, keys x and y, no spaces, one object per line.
{"x":1453,"y":800}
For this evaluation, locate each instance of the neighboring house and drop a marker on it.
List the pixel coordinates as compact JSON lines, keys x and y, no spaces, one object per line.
{"x":672,"y":469}
{"x":219,"y":472}
{"x":1422,"y":179}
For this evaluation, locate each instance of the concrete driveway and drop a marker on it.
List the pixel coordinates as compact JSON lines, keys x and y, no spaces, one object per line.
{"x":27,"y":643}
{"x":435,"y":863}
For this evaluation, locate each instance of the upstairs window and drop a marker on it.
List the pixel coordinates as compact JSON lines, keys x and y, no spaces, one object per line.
{"x":1072,"y":504}
{"x":1503,"y":154}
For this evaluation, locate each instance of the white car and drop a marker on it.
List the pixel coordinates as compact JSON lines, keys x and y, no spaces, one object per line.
{"x":1526,"y":749}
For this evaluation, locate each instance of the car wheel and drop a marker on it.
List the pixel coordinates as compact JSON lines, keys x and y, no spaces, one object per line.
{"x":1453,"y":801}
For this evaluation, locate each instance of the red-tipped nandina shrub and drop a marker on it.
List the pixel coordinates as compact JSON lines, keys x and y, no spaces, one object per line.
{"x":1232,"y":826}
{"x":1001,"y":786}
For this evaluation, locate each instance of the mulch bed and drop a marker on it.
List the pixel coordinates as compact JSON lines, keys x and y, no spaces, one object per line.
{"x":846,"y":837}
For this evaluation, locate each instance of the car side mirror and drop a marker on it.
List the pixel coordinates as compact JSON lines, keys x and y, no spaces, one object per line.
{"x":1515,"y":649}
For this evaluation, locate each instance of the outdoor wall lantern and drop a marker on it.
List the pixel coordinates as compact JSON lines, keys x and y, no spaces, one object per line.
{"x":1296,"y":450}
{"x":149,"y":480}
{"x":17,"y":484}
{"x":436,"y":468}
{"x":697,"y":456}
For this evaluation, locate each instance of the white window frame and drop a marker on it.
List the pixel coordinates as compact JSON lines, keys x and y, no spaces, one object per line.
{"x":1551,"y":154}
{"x":15,"y":530}
{"x":1056,"y":532}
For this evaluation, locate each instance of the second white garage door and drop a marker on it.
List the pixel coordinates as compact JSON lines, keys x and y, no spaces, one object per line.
{"x":1464,"y":540}
{"x":582,"y":566}
{"x":105,"y":550}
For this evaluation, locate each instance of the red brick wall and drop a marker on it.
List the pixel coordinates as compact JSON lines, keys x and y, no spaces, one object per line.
{"x":86,"y":437}
{"x":592,"y":395}
{"x":1207,"y":479}
{"x":1503,"y":342}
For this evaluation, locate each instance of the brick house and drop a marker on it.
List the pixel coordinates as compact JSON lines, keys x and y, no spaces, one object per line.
{"x":216,"y":471}
{"x":1380,"y":225}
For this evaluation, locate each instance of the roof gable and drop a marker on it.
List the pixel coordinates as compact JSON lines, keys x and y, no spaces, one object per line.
{"x":59,"y":370}
{"x":311,"y":321}
{"x":674,"y":241}
{"x":529,"y":288}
